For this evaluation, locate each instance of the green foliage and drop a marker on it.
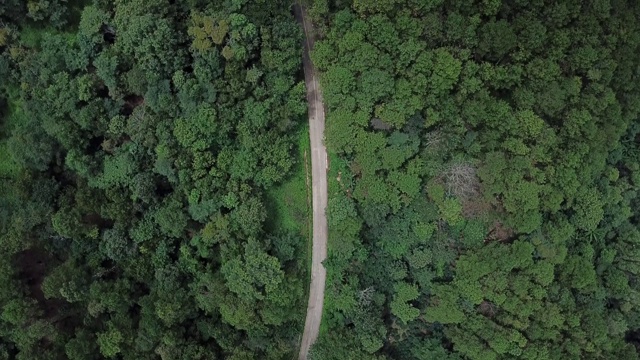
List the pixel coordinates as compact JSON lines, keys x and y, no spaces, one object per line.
{"x":137,"y":160}
{"x":483,"y":179}
{"x":109,"y":342}
{"x":399,"y":307}
{"x":490,"y":173}
{"x":287,"y":204}
{"x":197,"y":132}
{"x":451,"y":211}
{"x":206,"y":31}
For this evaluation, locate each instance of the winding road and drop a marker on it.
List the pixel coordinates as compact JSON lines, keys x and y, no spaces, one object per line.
{"x":319,"y":165}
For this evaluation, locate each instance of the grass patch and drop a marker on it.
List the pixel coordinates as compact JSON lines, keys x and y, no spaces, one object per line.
{"x":289,"y":209}
{"x":337,"y":180}
{"x":288,"y":203}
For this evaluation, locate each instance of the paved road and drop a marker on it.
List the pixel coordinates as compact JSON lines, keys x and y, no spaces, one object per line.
{"x":319,"y":181}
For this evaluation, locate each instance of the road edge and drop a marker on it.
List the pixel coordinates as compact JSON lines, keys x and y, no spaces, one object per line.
{"x":319,"y":190}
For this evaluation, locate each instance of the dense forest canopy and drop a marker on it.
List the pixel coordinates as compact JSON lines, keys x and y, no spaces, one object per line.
{"x":483,"y":181}
{"x":485,"y":178}
{"x":141,"y":139}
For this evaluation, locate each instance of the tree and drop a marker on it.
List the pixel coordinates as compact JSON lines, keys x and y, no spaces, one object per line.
{"x":109,"y":342}
{"x":400,"y":307}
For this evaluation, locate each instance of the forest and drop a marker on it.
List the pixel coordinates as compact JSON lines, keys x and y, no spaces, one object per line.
{"x":484,"y":170}
{"x":142,"y":143}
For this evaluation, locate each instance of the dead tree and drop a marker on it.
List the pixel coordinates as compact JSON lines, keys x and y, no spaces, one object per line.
{"x":460,"y":180}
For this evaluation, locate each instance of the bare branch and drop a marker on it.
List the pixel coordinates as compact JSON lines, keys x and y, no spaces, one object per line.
{"x":433,"y":139}
{"x":461,"y":180}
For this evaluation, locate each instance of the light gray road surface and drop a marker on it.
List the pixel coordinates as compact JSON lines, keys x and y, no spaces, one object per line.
{"x":319,"y":165}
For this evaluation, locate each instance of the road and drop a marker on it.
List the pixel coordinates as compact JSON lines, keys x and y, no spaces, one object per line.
{"x":319,"y":181}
